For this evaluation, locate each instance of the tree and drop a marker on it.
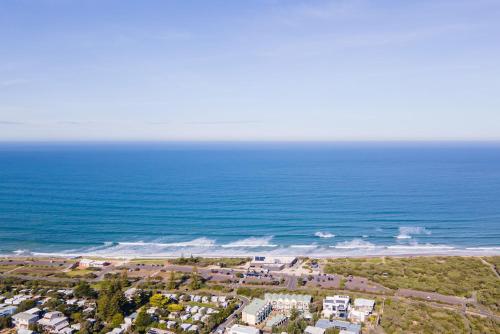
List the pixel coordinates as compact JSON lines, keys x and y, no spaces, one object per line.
{"x":86,"y":328}
{"x":296,"y":327}
{"x":142,"y":321}
{"x":300,"y":281}
{"x":53,"y":303}
{"x":111,"y":300}
{"x":159,"y":300}
{"x":141,"y":298}
{"x":83,"y":289}
{"x":175,"y":307}
{"x":217,"y":318}
{"x":116,"y":320}
{"x":294,"y":314}
{"x":26,"y":305}
{"x":172,"y":284}
{"x":77,"y":316}
{"x":195,"y":283}
{"x":124,"y":279}
{"x":5,"y":322}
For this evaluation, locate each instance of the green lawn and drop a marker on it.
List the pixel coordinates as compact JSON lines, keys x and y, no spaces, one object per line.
{"x":78,"y":272}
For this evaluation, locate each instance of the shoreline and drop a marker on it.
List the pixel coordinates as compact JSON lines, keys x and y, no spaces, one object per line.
{"x":224,"y":256}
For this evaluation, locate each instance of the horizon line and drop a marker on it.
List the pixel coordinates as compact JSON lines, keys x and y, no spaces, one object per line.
{"x":257,"y":141}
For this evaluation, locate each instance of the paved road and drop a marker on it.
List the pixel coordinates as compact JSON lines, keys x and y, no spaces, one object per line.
{"x":291,"y":283}
{"x":231,"y":319}
{"x":492,"y":266}
{"x":432,"y":296}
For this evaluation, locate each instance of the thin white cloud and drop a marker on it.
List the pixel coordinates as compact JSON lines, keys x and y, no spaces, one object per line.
{"x":11,"y":123}
{"x":222,"y":122}
{"x":13,"y":82}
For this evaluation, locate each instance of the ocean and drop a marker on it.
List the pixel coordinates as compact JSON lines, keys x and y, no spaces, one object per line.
{"x":228,"y":199}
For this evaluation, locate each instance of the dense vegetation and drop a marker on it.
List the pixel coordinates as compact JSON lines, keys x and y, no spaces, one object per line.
{"x":459,"y":276}
{"x":250,"y":292}
{"x":417,"y":317}
{"x":494,"y":261}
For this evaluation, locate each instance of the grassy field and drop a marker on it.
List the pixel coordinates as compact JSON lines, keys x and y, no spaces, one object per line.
{"x":79,"y":272}
{"x":458,"y":276}
{"x":417,"y":317}
{"x":495,"y":261}
{"x":7,"y":268}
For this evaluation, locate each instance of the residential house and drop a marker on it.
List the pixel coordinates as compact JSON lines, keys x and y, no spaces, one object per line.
{"x":336,"y":306}
{"x":314,"y":330}
{"x":361,"y":309}
{"x":256,"y":312}
{"x":129,"y":320}
{"x":185,"y":327}
{"x":24,"y":320}
{"x":339,"y":324}
{"x":6,"y":311}
{"x":130,"y":293}
{"x":25,"y":331}
{"x":158,"y":331}
{"x":286,"y":302}
{"x":277,"y":320}
{"x":240,"y":329}
{"x":53,"y":322}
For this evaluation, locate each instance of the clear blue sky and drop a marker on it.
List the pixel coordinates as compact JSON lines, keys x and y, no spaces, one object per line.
{"x":249,"y":70}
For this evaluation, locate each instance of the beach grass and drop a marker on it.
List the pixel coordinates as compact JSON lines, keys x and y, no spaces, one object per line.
{"x":451,"y":275}
{"x":417,"y":317}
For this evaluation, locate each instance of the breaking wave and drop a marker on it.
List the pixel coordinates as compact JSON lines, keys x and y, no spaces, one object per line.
{"x":203,"y":246}
{"x":199,"y":242}
{"x":406,"y":232}
{"x":304,"y":246}
{"x":324,"y":234}
{"x":354,"y":244}
{"x":251,"y":242}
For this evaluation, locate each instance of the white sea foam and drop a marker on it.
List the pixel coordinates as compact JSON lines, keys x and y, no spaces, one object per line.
{"x":356,"y":247}
{"x":484,"y":248}
{"x":321,"y":234}
{"x":304,"y":246}
{"x":199,"y":242}
{"x":354,"y":244}
{"x":365,"y":235}
{"x":262,"y":246}
{"x":416,"y":247}
{"x":251,"y":242}
{"x":406,"y":232}
{"x":22,"y":252}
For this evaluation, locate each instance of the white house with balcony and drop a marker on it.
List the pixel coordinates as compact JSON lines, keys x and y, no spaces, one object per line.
{"x":24,"y":320}
{"x":336,"y":306}
{"x":53,"y":322}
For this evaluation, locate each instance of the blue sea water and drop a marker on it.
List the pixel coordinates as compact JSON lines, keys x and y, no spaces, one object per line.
{"x":161,"y":199}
